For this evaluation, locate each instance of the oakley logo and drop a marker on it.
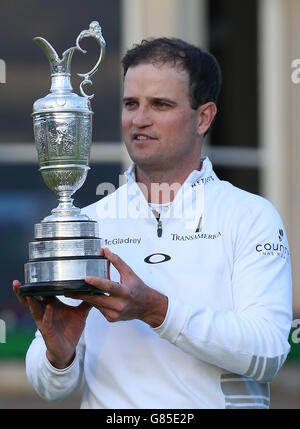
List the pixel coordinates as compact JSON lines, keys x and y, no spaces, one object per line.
{"x":157,"y":258}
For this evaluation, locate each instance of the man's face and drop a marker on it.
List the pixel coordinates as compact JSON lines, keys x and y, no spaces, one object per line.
{"x":160,"y":128}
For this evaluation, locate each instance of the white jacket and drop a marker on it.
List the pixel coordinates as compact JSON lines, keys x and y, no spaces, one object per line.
{"x":229,"y":286}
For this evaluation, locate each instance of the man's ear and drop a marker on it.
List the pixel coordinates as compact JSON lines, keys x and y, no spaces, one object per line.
{"x":206,"y":114}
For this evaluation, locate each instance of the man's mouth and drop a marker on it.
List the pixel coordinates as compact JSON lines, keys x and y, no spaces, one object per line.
{"x":142,"y":137}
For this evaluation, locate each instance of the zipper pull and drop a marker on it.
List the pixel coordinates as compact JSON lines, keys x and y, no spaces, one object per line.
{"x":159,"y":223}
{"x":159,"y":228}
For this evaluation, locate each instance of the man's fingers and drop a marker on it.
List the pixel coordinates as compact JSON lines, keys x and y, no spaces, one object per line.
{"x":16,"y":284}
{"x":110,"y":315}
{"x":40,"y":311}
{"x":108,"y":286}
{"x":36,"y":308}
{"x":112,"y":302}
{"x":118,"y":263}
{"x":47,"y":318}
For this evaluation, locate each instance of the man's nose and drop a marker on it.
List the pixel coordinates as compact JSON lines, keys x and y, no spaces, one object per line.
{"x":142,"y":118}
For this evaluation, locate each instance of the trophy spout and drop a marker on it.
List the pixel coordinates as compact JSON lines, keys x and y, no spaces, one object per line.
{"x":61,"y":67}
{"x":57,"y":65}
{"x":48,"y":49}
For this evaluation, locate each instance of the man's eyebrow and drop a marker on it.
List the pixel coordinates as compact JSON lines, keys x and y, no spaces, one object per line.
{"x":153,"y":99}
{"x":125,"y":99}
{"x":164,"y":100}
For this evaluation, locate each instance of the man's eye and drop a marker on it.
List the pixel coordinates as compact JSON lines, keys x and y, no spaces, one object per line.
{"x":130,"y":104}
{"x":161,"y":105}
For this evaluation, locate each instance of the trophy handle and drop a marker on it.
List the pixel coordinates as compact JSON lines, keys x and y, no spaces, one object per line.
{"x":95,"y":32}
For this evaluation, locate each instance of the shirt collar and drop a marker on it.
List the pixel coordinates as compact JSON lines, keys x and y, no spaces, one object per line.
{"x":194,"y":177}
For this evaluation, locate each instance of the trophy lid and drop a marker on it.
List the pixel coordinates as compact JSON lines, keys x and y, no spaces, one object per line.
{"x":66,"y":101}
{"x":61,"y":97}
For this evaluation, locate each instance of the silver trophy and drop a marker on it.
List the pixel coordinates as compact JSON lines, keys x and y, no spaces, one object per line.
{"x":66,"y":246}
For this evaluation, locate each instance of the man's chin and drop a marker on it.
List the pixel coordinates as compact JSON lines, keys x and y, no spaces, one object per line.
{"x":144,"y":160}
{"x":146,"y":164}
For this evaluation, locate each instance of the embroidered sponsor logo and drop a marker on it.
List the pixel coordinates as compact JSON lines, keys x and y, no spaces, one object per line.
{"x":157,"y":258}
{"x":277,"y":249}
{"x":273,"y":249}
{"x":204,"y":180}
{"x":116,"y":241}
{"x":198,"y":236}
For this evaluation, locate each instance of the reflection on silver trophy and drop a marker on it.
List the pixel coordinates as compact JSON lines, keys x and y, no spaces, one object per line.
{"x":66,"y":246}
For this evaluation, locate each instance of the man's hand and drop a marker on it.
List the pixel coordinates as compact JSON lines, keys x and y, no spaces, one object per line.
{"x":127,"y":300}
{"x":61,"y":325}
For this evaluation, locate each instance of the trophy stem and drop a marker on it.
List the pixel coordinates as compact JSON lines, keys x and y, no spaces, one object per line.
{"x":64,"y":197}
{"x":65,"y":204}
{"x":66,"y":211}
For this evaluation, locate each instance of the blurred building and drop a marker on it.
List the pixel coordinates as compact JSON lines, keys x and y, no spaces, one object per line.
{"x":254,"y":142}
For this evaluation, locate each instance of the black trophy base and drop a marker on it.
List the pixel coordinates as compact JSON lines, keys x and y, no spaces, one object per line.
{"x":58,"y":288}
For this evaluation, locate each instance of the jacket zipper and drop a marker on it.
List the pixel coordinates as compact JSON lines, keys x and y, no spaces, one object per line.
{"x":199,"y":226}
{"x":159,"y":228}
{"x":159,"y":223}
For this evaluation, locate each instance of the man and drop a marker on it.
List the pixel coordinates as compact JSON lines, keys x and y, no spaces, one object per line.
{"x":197,"y":309}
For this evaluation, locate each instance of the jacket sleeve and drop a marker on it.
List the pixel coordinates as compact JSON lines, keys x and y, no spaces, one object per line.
{"x":250,"y":339}
{"x":49,"y":382}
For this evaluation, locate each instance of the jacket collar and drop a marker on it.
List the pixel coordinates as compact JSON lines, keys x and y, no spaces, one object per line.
{"x":204,"y":175}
